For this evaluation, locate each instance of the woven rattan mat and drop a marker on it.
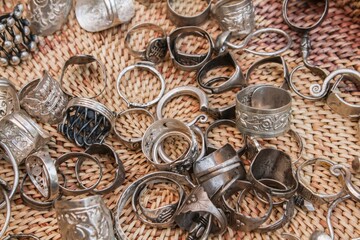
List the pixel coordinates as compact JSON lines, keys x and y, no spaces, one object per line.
{"x":335,"y":45}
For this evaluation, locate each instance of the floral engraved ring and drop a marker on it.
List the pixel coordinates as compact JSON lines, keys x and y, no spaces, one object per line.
{"x":263,"y":111}
{"x":9,"y":101}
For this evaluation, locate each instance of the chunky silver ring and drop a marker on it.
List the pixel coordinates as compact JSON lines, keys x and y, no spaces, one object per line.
{"x":132,"y":143}
{"x":237,"y":17}
{"x":109,"y":13}
{"x":183,"y":20}
{"x":82,"y":60}
{"x":22,"y":135}
{"x":263,"y":111}
{"x":86,"y":122}
{"x":42,"y":172}
{"x":119,"y":177}
{"x":157,"y":47}
{"x":84,"y":218}
{"x":44,"y":99}
{"x":9,"y":101}
{"x":144,"y":66}
{"x":6,"y":202}
{"x":188,"y":62}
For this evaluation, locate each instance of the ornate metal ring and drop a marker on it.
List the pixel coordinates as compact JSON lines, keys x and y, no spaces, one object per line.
{"x":44,"y":99}
{"x":109,"y":13}
{"x":188,"y":62}
{"x":157,"y":47}
{"x":86,"y":122}
{"x":84,"y":218}
{"x":144,"y":66}
{"x":237,"y":17}
{"x":9,"y":101}
{"x":183,"y":20}
{"x":22,"y":135}
{"x":42,"y":172}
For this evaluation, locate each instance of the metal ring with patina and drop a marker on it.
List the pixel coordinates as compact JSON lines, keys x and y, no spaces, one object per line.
{"x":9,"y":101}
{"x":155,"y":50}
{"x":43,"y":99}
{"x":4,"y":189}
{"x":188,"y":62}
{"x":86,"y":122}
{"x":83,"y":60}
{"x":184,"y":20}
{"x":84,"y":218}
{"x":42,"y":172}
{"x":22,"y":135}
{"x":132,"y":143}
{"x":147,"y":66}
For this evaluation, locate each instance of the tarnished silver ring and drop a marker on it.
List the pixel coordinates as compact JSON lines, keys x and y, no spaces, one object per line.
{"x":43,"y":99}
{"x":88,"y":217}
{"x":9,"y":101}
{"x":148,"y":67}
{"x":42,"y":172}
{"x":156,"y":49}
{"x":263,"y":111}
{"x":183,"y":20}
{"x":6,"y":201}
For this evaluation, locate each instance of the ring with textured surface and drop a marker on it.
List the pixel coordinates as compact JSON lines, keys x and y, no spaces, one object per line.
{"x":156,"y":49}
{"x":235,"y":16}
{"x":88,"y":217}
{"x":83,"y":60}
{"x":44,"y":99}
{"x":263,"y":111}
{"x":129,"y":191}
{"x":22,"y":135}
{"x":271,"y":164}
{"x":237,"y":79}
{"x":188,"y":62}
{"x":132,"y":143}
{"x":80,"y":157}
{"x":108,"y":13}
{"x":183,"y":20}
{"x":305,"y":191}
{"x":104,"y":149}
{"x":9,"y":101}
{"x":42,"y":173}
{"x":218,"y":168}
{"x":86,"y":122}
{"x":222,"y":43}
{"x":4,"y":189}
{"x":147,"y":66}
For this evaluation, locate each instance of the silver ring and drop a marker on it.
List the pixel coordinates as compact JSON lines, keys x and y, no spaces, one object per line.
{"x":8,"y":98}
{"x":82,"y":60}
{"x":188,"y":62}
{"x":263,"y":111}
{"x":84,"y":218}
{"x":132,"y":143}
{"x":156,"y":49}
{"x":44,"y":99}
{"x":235,"y":16}
{"x":149,"y":67}
{"x":183,"y":20}
{"x":42,"y":172}
{"x":3,"y":188}
{"x":22,"y":135}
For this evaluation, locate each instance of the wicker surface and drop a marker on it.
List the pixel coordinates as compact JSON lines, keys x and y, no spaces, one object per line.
{"x":326,"y":134}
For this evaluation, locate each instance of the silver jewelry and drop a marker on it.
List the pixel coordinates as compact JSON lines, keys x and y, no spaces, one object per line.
{"x":222,"y":43}
{"x":16,"y":38}
{"x":145,"y":66}
{"x":9,"y":101}
{"x":6,"y":202}
{"x":48,"y":16}
{"x":42,"y":172}
{"x":132,"y":143}
{"x":44,"y":99}
{"x":156,"y":49}
{"x":235,"y":16}
{"x":22,"y":135}
{"x":263,"y":111}
{"x":88,"y":218}
{"x":188,"y":62}
{"x":183,"y":20}
{"x":109,"y":13}
{"x":21,"y":237}
{"x":86,"y":122}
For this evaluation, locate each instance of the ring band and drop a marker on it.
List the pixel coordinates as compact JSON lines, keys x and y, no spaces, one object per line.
{"x":9,"y":98}
{"x":183,"y":20}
